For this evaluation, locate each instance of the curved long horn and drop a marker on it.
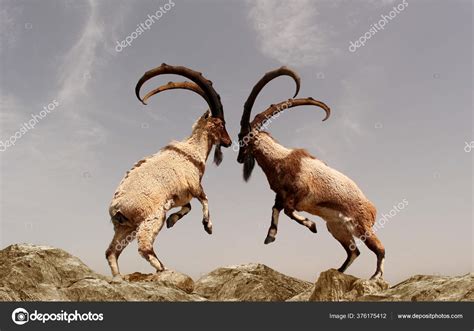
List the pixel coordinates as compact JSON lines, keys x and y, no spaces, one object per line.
{"x":176,"y":85}
{"x":213,"y":99}
{"x":290,"y":103}
{"x":283,"y":71}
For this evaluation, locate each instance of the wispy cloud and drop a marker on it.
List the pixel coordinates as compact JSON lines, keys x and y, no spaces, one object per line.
{"x":80,"y":132}
{"x":12,"y":118}
{"x":356,"y":109}
{"x":288,"y":31}
{"x":8,"y":27}
{"x":352,"y":105}
{"x":381,"y":2}
{"x":87,"y":54}
{"x":80,"y":60}
{"x":9,"y":106}
{"x":359,"y":108}
{"x":294,"y":32}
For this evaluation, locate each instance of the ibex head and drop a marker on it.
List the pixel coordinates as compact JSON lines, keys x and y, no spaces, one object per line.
{"x":213,"y":120}
{"x":245,"y":135}
{"x":248,"y":129}
{"x":215,"y":129}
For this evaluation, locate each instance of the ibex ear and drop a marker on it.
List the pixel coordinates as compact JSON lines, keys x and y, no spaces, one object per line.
{"x":206,"y":114}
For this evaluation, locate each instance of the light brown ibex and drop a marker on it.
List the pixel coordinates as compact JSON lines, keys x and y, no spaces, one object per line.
{"x":169,"y":178}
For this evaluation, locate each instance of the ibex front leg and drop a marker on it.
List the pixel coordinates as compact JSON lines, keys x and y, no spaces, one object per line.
{"x":175,"y":217}
{"x":272,"y":231}
{"x":202,"y":197}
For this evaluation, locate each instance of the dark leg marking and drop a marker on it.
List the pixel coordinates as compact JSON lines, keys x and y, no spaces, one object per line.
{"x":375,"y":245}
{"x":301,"y":220}
{"x":175,"y":217}
{"x":272,"y":231}
{"x":202,"y":197}
{"x":340,"y":232}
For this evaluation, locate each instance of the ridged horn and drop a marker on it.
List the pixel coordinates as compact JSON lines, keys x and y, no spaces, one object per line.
{"x":176,"y":85}
{"x":213,"y":99}
{"x":273,"y":110}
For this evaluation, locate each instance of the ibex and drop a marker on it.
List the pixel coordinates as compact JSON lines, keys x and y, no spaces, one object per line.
{"x":169,"y":178}
{"x":303,"y":183}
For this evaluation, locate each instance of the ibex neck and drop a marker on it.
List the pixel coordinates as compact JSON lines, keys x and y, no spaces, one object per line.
{"x":267,"y":152}
{"x":201,"y":144}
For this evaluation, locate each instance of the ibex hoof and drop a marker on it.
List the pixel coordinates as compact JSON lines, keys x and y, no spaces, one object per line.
{"x":312,"y":227}
{"x":207,"y":227}
{"x":269,"y":239}
{"x":117,"y":279}
{"x":377,"y":275}
{"x":171,"y":220}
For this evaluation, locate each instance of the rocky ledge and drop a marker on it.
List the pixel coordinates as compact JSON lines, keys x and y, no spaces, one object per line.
{"x":41,"y":273}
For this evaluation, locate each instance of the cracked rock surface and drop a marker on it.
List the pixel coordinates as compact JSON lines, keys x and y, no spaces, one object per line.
{"x":43,"y":273}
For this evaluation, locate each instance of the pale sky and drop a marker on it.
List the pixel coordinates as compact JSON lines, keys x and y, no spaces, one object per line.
{"x":401,"y":119}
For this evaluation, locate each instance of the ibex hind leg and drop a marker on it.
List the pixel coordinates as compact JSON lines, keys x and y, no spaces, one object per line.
{"x":375,"y":245}
{"x":124,"y":234}
{"x":346,"y":239}
{"x":146,"y":235}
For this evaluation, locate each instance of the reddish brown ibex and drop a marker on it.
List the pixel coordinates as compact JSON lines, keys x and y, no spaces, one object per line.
{"x":303,"y":183}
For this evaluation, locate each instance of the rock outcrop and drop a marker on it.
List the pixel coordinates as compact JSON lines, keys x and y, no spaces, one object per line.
{"x":429,"y":288}
{"x":42,"y":273}
{"x":169,"y":278}
{"x":335,"y":286}
{"x":248,"y":282}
